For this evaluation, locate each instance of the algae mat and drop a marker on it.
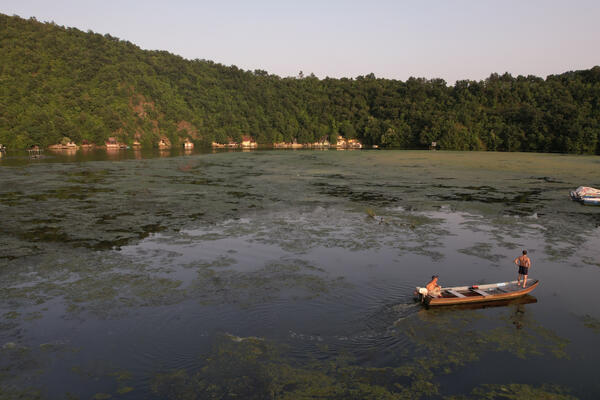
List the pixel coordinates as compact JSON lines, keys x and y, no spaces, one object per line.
{"x":289,"y":275}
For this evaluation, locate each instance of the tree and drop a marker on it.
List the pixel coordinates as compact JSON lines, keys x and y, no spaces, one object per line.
{"x":60,"y":82}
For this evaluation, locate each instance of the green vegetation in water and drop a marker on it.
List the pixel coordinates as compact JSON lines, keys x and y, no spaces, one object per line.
{"x":61,"y":260}
{"x":8,"y":393}
{"x":125,"y":389}
{"x":102,"y":396}
{"x":292,"y":277}
{"x":482,"y":250}
{"x":251,"y":368}
{"x":591,"y":323}
{"x":254,"y":368}
{"x":516,"y":391}
{"x":591,"y":261}
{"x":518,"y":335}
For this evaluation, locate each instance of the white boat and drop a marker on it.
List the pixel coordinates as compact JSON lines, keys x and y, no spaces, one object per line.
{"x":586,"y":195}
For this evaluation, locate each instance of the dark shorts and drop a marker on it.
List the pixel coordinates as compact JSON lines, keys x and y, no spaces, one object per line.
{"x":523,"y":270}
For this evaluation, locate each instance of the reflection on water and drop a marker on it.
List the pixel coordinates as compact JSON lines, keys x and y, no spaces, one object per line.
{"x":289,"y":274}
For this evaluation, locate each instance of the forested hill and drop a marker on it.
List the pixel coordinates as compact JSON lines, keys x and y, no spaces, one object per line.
{"x":61,"y":82}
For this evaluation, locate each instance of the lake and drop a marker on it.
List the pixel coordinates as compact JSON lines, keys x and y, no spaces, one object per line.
{"x":289,"y":275}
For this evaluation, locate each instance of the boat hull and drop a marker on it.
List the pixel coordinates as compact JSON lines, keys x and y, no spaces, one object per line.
{"x":591,"y":201}
{"x":479,"y":294}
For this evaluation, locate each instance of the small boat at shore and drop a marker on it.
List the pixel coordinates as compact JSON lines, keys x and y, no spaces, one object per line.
{"x":476,"y":293}
{"x":586,"y":195}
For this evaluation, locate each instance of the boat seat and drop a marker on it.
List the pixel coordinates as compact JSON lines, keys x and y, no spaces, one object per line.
{"x":481,"y":292}
{"x":454,"y":292}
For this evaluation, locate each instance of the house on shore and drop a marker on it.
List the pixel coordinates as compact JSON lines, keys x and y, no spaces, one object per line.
{"x":354,"y":144}
{"x":231,"y":144}
{"x":86,"y":145}
{"x":113,"y":144}
{"x":34,"y":151}
{"x":248,"y":142}
{"x":164,"y":143}
{"x":321,"y":144}
{"x":187,"y":144}
{"x":288,"y":145}
{"x":63,"y":146}
{"x":343,"y":143}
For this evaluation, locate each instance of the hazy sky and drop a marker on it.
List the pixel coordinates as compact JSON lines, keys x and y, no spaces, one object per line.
{"x":449,"y":39}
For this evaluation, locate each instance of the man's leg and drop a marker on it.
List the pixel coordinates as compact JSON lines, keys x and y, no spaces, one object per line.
{"x":524,"y":280}
{"x":519,"y":280}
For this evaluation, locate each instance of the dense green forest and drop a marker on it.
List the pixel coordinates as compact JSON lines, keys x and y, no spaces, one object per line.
{"x":61,"y":82}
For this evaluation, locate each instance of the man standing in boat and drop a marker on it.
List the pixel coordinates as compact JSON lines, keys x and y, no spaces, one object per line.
{"x":524,"y":263}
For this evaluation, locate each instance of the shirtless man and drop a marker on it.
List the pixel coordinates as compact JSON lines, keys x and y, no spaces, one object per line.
{"x":433,"y":289}
{"x":524,"y":263}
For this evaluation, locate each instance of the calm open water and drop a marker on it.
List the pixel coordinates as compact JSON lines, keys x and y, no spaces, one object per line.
{"x":289,"y":275}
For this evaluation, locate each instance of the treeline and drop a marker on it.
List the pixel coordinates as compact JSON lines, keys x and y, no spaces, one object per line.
{"x":61,"y":82}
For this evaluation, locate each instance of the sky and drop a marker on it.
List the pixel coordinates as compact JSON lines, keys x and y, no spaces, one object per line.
{"x":451,"y":39}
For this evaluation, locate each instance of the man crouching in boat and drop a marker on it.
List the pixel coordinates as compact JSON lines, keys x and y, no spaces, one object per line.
{"x":524,"y":263}
{"x":433,"y":289}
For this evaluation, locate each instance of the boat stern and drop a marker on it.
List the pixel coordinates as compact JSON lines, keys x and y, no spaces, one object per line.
{"x":420,"y":295}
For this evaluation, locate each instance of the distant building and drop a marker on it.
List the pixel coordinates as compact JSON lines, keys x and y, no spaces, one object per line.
{"x":354,"y":144}
{"x":164,"y":143}
{"x":323,"y":143}
{"x":248,"y":142}
{"x":64,"y":146}
{"x":187,"y":144}
{"x":230,"y":144}
{"x":113,"y":144}
{"x":343,"y":143}
{"x":34,"y":151}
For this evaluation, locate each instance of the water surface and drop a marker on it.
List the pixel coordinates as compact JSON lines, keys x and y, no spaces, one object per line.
{"x":289,"y":274}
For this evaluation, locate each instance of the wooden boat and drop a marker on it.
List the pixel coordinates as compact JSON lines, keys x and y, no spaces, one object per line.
{"x":477,"y":293}
{"x":525,"y":299}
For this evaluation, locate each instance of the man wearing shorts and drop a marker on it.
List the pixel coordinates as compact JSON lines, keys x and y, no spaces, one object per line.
{"x":524,"y":263}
